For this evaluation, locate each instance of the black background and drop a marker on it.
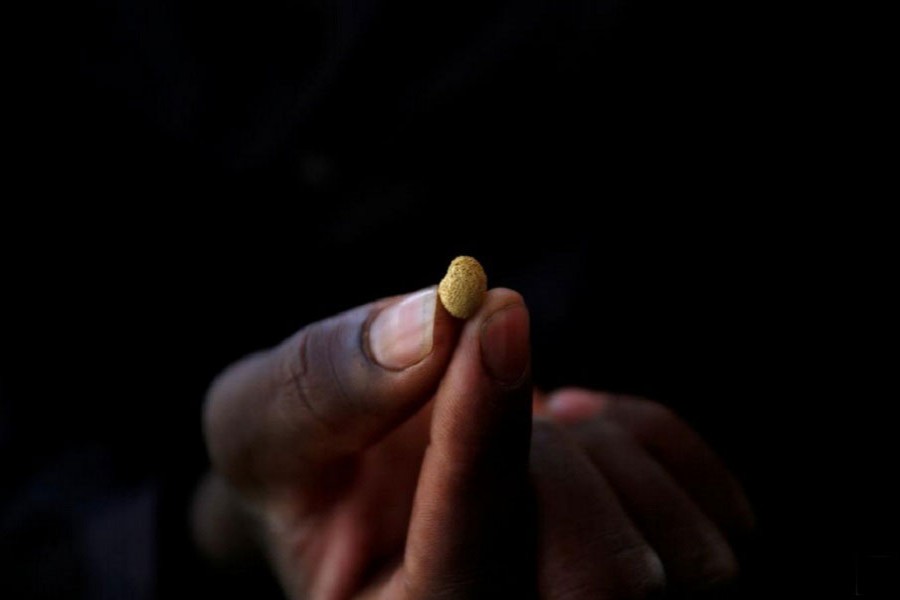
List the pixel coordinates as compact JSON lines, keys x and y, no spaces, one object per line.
{"x":681,"y":191}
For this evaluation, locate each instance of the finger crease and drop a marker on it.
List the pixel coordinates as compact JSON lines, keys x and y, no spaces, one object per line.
{"x":298,"y":376}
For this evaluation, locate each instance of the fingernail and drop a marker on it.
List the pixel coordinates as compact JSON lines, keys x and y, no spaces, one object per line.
{"x":574,"y":406}
{"x":403,"y":333}
{"x":505,"y":349}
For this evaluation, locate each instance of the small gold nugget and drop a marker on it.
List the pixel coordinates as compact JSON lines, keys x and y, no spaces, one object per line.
{"x":463,"y":288}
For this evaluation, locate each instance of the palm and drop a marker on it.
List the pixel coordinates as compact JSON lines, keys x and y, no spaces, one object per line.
{"x":352,"y":530}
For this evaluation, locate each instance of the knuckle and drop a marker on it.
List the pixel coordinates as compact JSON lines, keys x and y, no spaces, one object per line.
{"x":641,"y":572}
{"x":301,"y":388}
{"x":709,"y":563}
{"x":219,"y":421}
{"x":574,"y":590}
{"x":637,"y":575}
{"x":717,"y":570}
{"x":225,"y":385}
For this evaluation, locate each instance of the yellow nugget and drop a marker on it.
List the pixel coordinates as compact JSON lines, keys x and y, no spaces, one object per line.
{"x":463,"y":288}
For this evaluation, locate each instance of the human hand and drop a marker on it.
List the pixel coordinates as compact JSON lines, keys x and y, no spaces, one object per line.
{"x":632,"y":503}
{"x":384,"y":452}
{"x":380,"y":459}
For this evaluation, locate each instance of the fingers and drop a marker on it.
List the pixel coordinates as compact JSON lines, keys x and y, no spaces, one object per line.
{"x":333,"y":388}
{"x":468,"y":526}
{"x":689,"y":459}
{"x":693,"y":550}
{"x":588,"y":548}
{"x":673,"y":444}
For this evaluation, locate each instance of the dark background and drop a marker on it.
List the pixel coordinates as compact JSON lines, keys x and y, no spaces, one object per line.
{"x":679,"y":190}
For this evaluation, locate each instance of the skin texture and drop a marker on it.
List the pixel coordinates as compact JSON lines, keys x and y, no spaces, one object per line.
{"x":451,"y":478}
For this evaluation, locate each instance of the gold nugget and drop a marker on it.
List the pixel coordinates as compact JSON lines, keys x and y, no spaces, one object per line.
{"x":463,"y":288}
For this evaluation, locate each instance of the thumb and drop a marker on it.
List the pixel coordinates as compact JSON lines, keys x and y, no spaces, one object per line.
{"x":467,"y":535}
{"x":332,"y":389}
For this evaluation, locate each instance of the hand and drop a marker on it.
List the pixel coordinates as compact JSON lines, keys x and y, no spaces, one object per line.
{"x":385,"y":453}
{"x":630,"y":500}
